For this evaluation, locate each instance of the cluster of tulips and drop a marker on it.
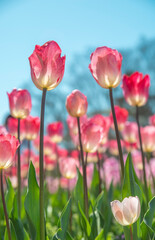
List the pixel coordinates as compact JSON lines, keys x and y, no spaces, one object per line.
{"x":93,"y":173}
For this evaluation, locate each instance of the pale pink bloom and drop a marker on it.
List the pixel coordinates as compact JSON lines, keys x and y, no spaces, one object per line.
{"x":66,"y":183}
{"x":76,"y":104}
{"x":24,"y":170}
{"x":61,"y":152}
{"x":49,"y":146}
{"x":130,"y":146}
{"x":50,"y":163}
{"x":130,"y":132}
{"x":55,"y":131}
{"x":111,"y":171}
{"x":148,"y":138}
{"x":105,"y":67}
{"x":20,"y":103}
{"x":68,"y":167}
{"x":12,"y":125}
{"x":32,"y":126}
{"x":126,"y":212}
{"x":91,"y":135}
{"x":52,"y":184}
{"x":121,"y":116}
{"x":14,"y":181}
{"x":89,"y":173}
{"x":8,"y":147}
{"x":152,"y":120}
{"x":47,"y":65}
{"x":27,"y":156}
{"x":74,"y":154}
{"x":136,"y":89}
{"x":152,"y":166}
{"x":113,"y":147}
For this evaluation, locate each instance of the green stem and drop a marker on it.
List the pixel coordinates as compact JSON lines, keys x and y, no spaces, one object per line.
{"x":99,"y":171}
{"x":131,"y":235}
{"x":19,"y":173}
{"x":117,"y":132}
{"x":84,"y":171}
{"x":29,"y":150}
{"x":41,"y":166}
{"x":4,"y":206}
{"x":142,"y":153}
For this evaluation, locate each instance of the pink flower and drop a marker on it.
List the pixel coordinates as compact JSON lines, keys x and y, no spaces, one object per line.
{"x":25,"y":156}
{"x":68,"y":167}
{"x":89,"y":173}
{"x":148,"y":138}
{"x":66,"y":183}
{"x":20,"y":103}
{"x":121,"y":116}
{"x":47,"y":65}
{"x":126,"y":212}
{"x":50,"y":163}
{"x":49,"y":146}
{"x":152,"y":120}
{"x":113,"y":147}
{"x":3,"y":130}
{"x":152,"y":166}
{"x":111,"y":171}
{"x":130,"y":132}
{"x":62,"y":152}
{"x":52,"y":184}
{"x":105,"y":67}
{"x":55,"y":131}
{"x":32,"y":125}
{"x":8,"y":147}
{"x":92,"y":136}
{"x":76,"y":104}
{"x":12,"y":125}
{"x":136,"y":89}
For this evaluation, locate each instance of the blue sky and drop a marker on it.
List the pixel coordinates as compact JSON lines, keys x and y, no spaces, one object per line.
{"x":75,"y":24}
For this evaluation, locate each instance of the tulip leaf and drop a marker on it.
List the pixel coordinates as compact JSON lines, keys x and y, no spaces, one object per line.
{"x":85,"y":224}
{"x":95,"y":182}
{"x":147,"y":226}
{"x":19,"y":229}
{"x":32,"y":204}
{"x":100,"y":236}
{"x":78,"y":192}
{"x":10,"y":194}
{"x":131,"y":188}
{"x":13,"y":234}
{"x":59,"y":235}
{"x":64,"y":219}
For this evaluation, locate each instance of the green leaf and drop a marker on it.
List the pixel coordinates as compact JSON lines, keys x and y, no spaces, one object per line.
{"x":64,"y":219}
{"x":32,"y":204}
{"x":100,"y":236}
{"x":13,"y":234}
{"x":78,"y":192}
{"x":147,"y":226}
{"x":131,"y":188}
{"x":85,"y":224}
{"x":10,"y":194}
{"x":19,"y":229}
{"x":95,"y":182}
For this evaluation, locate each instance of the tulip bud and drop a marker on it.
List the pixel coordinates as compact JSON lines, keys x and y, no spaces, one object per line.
{"x":55,"y":131}
{"x":47,"y":65}
{"x":76,"y":104}
{"x":8,"y":147}
{"x":136,"y":89}
{"x":32,"y":125}
{"x":20,"y":103}
{"x":121,"y":116}
{"x":126,"y":212}
{"x":105,"y":67}
{"x":130,"y":132}
{"x":68,"y":167}
{"x":148,"y":138}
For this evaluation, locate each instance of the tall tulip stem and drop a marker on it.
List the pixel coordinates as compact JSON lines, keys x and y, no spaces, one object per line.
{"x":142,"y":153}
{"x":131,"y":235}
{"x":4,"y":207}
{"x":99,"y":171}
{"x":19,"y":173}
{"x":41,"y":166}
{"x":29,"y":150}
{"x":84,"y":171}
{"x":117,"y":132}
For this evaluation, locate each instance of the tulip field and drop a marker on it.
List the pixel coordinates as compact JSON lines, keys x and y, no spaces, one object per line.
{"x":101,"y":187}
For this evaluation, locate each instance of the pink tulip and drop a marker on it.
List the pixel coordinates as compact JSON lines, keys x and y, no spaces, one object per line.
{"x":113,"y":147}
{"x":68,"y":167}
{"x":130,"y":132}
{"x":32,"y":125}
{"x":76,"y":104}
{"x":24,"y":170}
{"x":12,"y":125}
{"x":152,"y":166}
{"x":50,"y":163}
{"x":52,"y":184}
{"x":89,"y":173}
{"x":136,"y":89}
{"x":62,"y":152}
{"x":47,"y":65}
{"x":129,"y":146}
{"x":111,"y":170}
{"x":8,"y":147}
{"x":27,"y":156}
{"x":67,"y":183}
{"x":121,"y":116}
{"x":105,"y":67}
{"x":152,"y":120}
{"x":49,"y":146}
{"x":20,"y":103}
{"x":92,"y":136}
{"x":148,"y":138}
{"x":74,"y":154}
{"x":126,"y":212}
{"x":3,"y":130}
{"x":55,"y":131}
